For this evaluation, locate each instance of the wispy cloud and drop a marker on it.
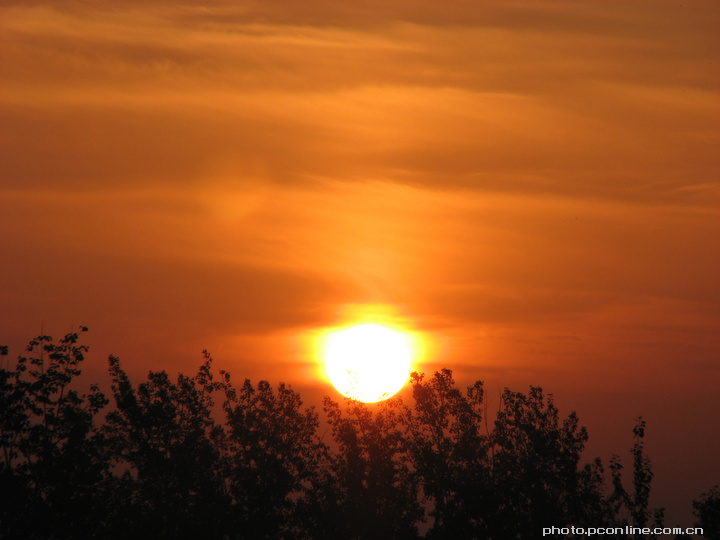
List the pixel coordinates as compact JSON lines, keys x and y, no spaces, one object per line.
{"x":504,"y":169}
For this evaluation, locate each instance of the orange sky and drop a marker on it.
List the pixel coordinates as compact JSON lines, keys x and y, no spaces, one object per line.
{"x":533,"y":186}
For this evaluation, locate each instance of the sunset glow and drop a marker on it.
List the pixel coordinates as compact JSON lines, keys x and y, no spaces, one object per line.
{"x":525,"y":192}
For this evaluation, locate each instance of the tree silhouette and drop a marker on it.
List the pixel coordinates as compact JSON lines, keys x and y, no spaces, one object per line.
{"x":536,"y":469}
{"x":367,"y":490}
{"x":272,"y":456}
{"x":164,"y":437}
{"x":450,"y":455}
{"x":53,"y":460}
{"x":169,"y":462}
{"x":632,"y":508}
{"x":707,"y":511}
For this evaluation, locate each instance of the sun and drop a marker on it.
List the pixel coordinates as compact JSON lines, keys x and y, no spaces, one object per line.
{"x":368,"y":362}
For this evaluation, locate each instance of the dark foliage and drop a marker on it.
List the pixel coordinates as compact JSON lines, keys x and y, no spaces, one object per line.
{"x":164,"y":440}
{"x":707,"y":511}
{"x":536,"y":469}
{"x":366,"y":489}
{"x":272,"y":457}
{"x":450,"y":456}
{"x":54,"y":468}
{"x":168,"y":462}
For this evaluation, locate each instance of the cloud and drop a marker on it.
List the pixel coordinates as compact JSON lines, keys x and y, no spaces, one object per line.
{"x":583,"y":100}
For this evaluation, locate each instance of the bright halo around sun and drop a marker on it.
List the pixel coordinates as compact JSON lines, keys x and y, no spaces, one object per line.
{"x":368,"y":362}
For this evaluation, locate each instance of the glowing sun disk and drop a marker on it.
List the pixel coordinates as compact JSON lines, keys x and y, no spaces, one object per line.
{"x":368,"y":362}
